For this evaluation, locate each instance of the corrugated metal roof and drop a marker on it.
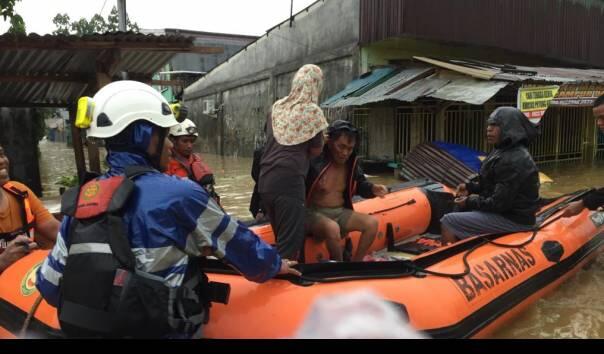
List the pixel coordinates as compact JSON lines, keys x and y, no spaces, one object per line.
{"x":428,"y":160}
{"x":452,"y":80}
{"x":393,"y":85}
{"x":56,"y":70}
{"x":558,"y":75}
{"x":518,"y":73}
{"x":419,"y":89}
{"x":412,"y":83}
{"x":362,"y":83}
{"x":466,"y":89}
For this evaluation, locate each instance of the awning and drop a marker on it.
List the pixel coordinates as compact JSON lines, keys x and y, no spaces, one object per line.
{"x":468,"y":81}
{"x":409,"y":84}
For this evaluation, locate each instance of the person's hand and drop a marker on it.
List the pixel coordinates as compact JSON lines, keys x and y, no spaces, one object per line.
{"x":17,"y":249}
{"x":286,"y":265}
{"x":379,"y":190}
{"x":462,"y":190}
{"x":461,"y":202}
{"x":572,"y":209}
{"x":259,"y":216}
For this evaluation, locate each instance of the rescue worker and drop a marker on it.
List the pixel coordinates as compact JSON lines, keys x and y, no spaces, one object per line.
{"x":25,"y":224}
{"x":169,"y":225}
{"x":185,"y":163}
{"x":506,"y":196}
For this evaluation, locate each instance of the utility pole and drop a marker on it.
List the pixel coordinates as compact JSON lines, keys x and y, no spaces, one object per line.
{"x":291,"y":14}
{"x":121,"y":14}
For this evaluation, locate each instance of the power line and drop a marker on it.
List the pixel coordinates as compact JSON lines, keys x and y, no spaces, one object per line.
{"x":102,"y":8}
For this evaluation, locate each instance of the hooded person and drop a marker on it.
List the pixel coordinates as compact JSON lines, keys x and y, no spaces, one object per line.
{"x":294,"y":135}
{"x":506,"y":195}
{"x":127,"y":258}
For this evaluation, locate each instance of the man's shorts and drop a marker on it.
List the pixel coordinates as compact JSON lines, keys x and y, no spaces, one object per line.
{"x":339,"y":215}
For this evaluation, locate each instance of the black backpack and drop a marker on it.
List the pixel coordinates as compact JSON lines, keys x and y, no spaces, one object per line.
{"x":102,"y":293}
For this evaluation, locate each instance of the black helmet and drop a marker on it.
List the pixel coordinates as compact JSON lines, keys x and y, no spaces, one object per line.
{"x":341,"y":126}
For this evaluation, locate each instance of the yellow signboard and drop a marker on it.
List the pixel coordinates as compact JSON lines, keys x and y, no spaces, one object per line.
{"x":534,"y":100}
{"x":578,"y":95}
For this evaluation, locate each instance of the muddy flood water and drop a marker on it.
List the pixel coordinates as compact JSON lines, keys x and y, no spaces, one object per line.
{"x":574,"y":310}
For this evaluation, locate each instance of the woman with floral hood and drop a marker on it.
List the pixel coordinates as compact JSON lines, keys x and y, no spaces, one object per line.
{"x":294,"y":135}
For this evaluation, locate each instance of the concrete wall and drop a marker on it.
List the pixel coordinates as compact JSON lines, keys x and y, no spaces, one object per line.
{"x":17,"y":137}
{"x":245,"y":87}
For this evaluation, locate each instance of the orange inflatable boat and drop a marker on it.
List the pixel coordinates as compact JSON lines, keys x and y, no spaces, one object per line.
{"x":465,"y":290}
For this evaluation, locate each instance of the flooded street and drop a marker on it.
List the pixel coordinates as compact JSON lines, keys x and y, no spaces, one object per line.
{"x":574,"y":310}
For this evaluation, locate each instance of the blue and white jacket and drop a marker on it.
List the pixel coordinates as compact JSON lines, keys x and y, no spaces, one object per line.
{"x":164,"y":216}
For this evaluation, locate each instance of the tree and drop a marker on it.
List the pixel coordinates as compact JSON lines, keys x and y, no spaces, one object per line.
{"x":7,"y":10}
{"x":97,"y":24}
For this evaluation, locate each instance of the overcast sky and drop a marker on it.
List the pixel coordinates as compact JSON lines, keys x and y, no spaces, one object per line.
{"x":252,"y":17}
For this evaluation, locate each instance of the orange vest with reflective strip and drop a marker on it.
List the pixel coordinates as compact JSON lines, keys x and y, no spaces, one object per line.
{"x":27,"y":216}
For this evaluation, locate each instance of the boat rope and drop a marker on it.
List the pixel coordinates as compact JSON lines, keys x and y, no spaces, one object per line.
{"x":545,"y":220}
{"x":30,"y":314}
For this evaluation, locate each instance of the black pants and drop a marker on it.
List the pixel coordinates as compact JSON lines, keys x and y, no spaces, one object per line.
{"x":286,"y":214}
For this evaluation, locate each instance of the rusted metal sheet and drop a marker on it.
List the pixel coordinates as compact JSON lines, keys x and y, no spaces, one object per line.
{"x":567,"y":30}
{"x":466,"y":89}
{"x":428,"y":161}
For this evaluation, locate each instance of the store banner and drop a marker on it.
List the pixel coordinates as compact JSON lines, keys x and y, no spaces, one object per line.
{"x":533,"y":101}
{"x":578,"y":95}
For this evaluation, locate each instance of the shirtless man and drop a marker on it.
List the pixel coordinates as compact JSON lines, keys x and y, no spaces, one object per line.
{"x":333,"y":178}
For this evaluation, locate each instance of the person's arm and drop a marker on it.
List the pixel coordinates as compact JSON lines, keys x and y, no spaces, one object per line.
{"x":507,"y":183}
{"x":367,"y":189}
{"x":47,"y":226}
{"x":15,"y":250}
{"x":594,"y":199}
{"x":50,"y":273}
{"x":316,"y":145}
{"x":46,"y":233}
{"x":236,"y":244}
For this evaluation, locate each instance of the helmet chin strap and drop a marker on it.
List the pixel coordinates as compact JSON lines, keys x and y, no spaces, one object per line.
{"x":155,"y":159}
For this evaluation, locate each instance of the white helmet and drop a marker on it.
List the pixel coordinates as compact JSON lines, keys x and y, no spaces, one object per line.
{"x":121,"y":103}
{"x":187,"y":127}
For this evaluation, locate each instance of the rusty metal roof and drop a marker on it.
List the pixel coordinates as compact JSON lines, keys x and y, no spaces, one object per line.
{"x":54,"y":70}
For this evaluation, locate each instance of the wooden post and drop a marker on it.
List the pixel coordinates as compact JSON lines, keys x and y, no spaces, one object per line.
{"x":78,"y":148}
{"x":94,"y":161}
{"x":590,"y":136}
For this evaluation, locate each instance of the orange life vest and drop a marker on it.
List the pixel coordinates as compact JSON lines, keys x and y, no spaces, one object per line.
{"x":193,"y":167}
{"x":27,"y":215}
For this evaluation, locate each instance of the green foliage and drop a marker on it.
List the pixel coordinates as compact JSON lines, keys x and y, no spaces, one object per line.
{"x":7,"y":11}
{"x":97,"y":24}
{"x":68,"y":181}
{"x":40,"y":115}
